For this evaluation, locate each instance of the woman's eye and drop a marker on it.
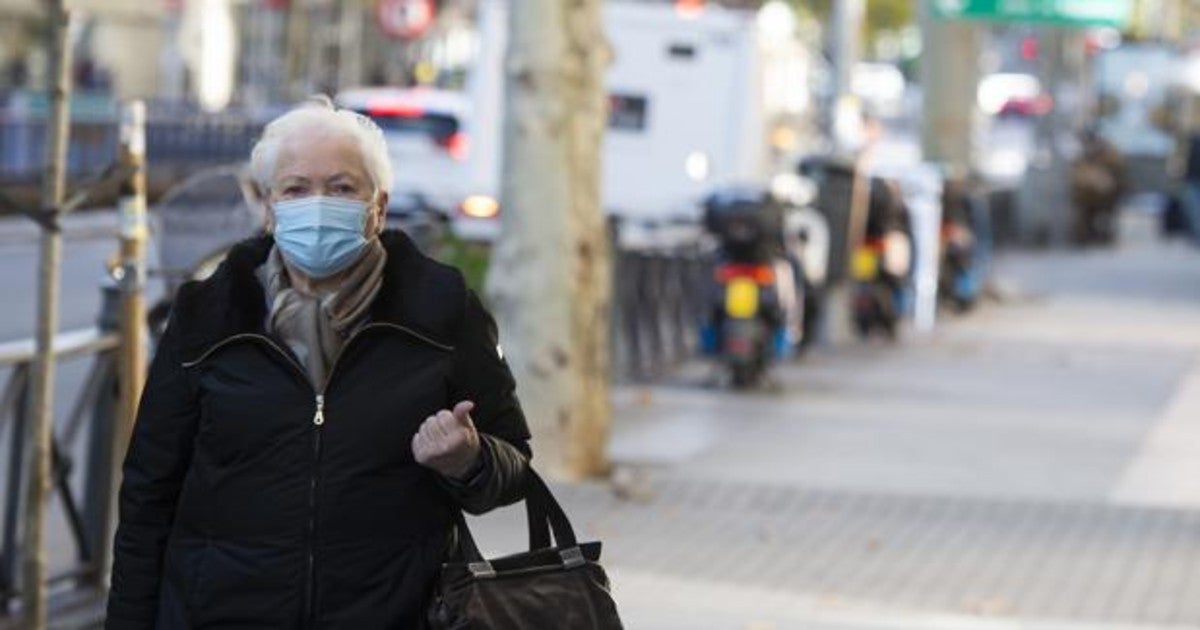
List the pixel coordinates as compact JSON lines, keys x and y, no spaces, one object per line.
{"x":344,"y":189}
{"x":292,"y":191}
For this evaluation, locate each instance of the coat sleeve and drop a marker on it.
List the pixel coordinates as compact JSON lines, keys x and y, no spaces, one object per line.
{"x":159,"y":454}
{"x":481,"y":375}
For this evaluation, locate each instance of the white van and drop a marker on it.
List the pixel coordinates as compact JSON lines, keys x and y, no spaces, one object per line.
{"x":697,"y":100}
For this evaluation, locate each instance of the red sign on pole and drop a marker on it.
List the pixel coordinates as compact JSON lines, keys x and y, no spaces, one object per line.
{"x":405,"y":19}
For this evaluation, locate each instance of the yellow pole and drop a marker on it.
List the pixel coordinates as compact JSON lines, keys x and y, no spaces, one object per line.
{"x":132,"y":271}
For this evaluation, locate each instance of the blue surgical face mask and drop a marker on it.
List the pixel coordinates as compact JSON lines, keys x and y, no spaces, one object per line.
{"x":321,"y":235}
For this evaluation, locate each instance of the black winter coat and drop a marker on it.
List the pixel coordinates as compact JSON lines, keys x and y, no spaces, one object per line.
{"x":251,"y":500}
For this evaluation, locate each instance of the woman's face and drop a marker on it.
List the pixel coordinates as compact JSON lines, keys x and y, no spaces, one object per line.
{"x":327,"y":164}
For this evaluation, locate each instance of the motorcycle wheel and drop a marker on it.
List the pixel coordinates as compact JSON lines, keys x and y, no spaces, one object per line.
{"x":886,"y":314}
{"x":745,"y":375}
{"x":740,"y":376}
{"x":862,"y":326}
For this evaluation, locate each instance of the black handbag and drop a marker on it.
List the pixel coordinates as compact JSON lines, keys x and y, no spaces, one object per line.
{"x":560,"y":586}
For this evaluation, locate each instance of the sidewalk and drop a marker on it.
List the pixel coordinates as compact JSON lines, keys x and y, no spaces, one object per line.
{"x":1023,"y":468}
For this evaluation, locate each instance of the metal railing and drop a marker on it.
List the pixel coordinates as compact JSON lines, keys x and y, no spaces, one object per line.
{"x":660,"y":298}
{"x":174,"y":144}
{"x":86,"y":499}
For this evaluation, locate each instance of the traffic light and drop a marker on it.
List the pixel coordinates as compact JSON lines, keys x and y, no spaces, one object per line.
{"x":1029,"y":48}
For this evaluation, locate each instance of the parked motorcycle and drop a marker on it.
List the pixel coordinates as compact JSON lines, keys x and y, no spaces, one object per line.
{"x":757,"y":288}
{"x":1099,"y":180}
{"x":807,"y":239}
{"x":881,"y":265}
{"x":963,"y":243}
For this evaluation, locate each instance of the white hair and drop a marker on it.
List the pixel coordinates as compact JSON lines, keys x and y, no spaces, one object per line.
{"x":318,"y":113}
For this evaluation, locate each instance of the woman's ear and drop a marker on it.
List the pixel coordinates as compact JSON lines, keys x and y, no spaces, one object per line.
{"x":256,"y":198}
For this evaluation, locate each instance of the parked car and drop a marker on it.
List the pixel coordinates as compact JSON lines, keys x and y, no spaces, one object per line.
{"x":1013,"y":94}
{"x":881,"y":86}
{"x":427,"y":142}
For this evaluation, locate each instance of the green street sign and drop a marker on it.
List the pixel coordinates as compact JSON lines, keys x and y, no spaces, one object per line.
{"x":1061,"y":12}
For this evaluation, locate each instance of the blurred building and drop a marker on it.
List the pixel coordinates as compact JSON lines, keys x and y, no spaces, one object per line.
{"x":110,"y":39}
{"x":267,"y":51}
{"x":1165,"y":20}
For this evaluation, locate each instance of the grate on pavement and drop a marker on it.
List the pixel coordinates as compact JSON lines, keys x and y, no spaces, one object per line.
{"x":1008,"y":558}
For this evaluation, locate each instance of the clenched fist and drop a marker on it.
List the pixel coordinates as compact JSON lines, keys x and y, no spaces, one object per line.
{"x":448,"y":442}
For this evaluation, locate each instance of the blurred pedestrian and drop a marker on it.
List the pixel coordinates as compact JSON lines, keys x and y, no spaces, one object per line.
{"x":317,"y":412}
{"x":1098,"y":184}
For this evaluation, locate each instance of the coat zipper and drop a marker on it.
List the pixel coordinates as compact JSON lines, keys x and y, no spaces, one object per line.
{"x":318,"y":421}
{"x":310,"y":582}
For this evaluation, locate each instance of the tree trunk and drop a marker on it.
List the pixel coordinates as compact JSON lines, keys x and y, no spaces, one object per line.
{"x":550,"y":278}
{"x":950,"y":71}
{"x":40,"y":428}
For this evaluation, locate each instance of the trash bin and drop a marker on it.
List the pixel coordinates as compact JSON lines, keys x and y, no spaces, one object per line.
{"x":835,"y":189}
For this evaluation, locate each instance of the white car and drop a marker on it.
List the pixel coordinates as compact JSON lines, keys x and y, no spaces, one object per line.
{"x":426,"y":140}
{"x":881,"y":86}
{"x":1013,"y":94}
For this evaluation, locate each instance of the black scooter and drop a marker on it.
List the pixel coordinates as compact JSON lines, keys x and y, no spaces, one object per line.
{"x":755,"y":288}
{"x":882,"y":263}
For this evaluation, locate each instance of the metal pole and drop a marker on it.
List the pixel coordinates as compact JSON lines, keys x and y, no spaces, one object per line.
{"x":1051,"y":208}
{"x":350,"y":45}
{"x":299,"y":79}
{"x":104,"y":449}
{"x":10,"y":554}
{"x":102,"y":471}
{"x":40,"y":426}
{"x":848,"y":16}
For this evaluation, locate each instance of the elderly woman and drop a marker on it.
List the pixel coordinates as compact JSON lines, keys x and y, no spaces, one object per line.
{"x":316,"y":413}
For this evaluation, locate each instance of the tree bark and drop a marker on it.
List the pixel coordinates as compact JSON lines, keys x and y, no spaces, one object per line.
{"x":40,"y":428}
{"x":550,"y":280}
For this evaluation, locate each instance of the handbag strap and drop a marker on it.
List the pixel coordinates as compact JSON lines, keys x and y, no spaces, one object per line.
{"x":544,"y":517}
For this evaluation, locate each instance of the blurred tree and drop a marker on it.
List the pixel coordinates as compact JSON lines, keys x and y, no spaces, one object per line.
{"x":549,"y":277}
{"x":882,"y":15}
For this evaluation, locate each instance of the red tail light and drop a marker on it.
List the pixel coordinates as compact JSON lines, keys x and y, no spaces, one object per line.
{"x":456,"y":145}
{"x":689,"y":9}
{"x":762,"y":274}
{"x":397,"y":110}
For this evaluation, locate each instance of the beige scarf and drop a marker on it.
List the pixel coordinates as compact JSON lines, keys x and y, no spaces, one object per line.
{"x":316,"y":327}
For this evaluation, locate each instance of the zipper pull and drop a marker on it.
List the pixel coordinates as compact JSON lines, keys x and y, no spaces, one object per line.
{"x":319,"y":417}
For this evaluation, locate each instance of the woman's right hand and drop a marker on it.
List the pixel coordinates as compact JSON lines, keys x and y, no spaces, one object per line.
{"x":448,"y":442}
